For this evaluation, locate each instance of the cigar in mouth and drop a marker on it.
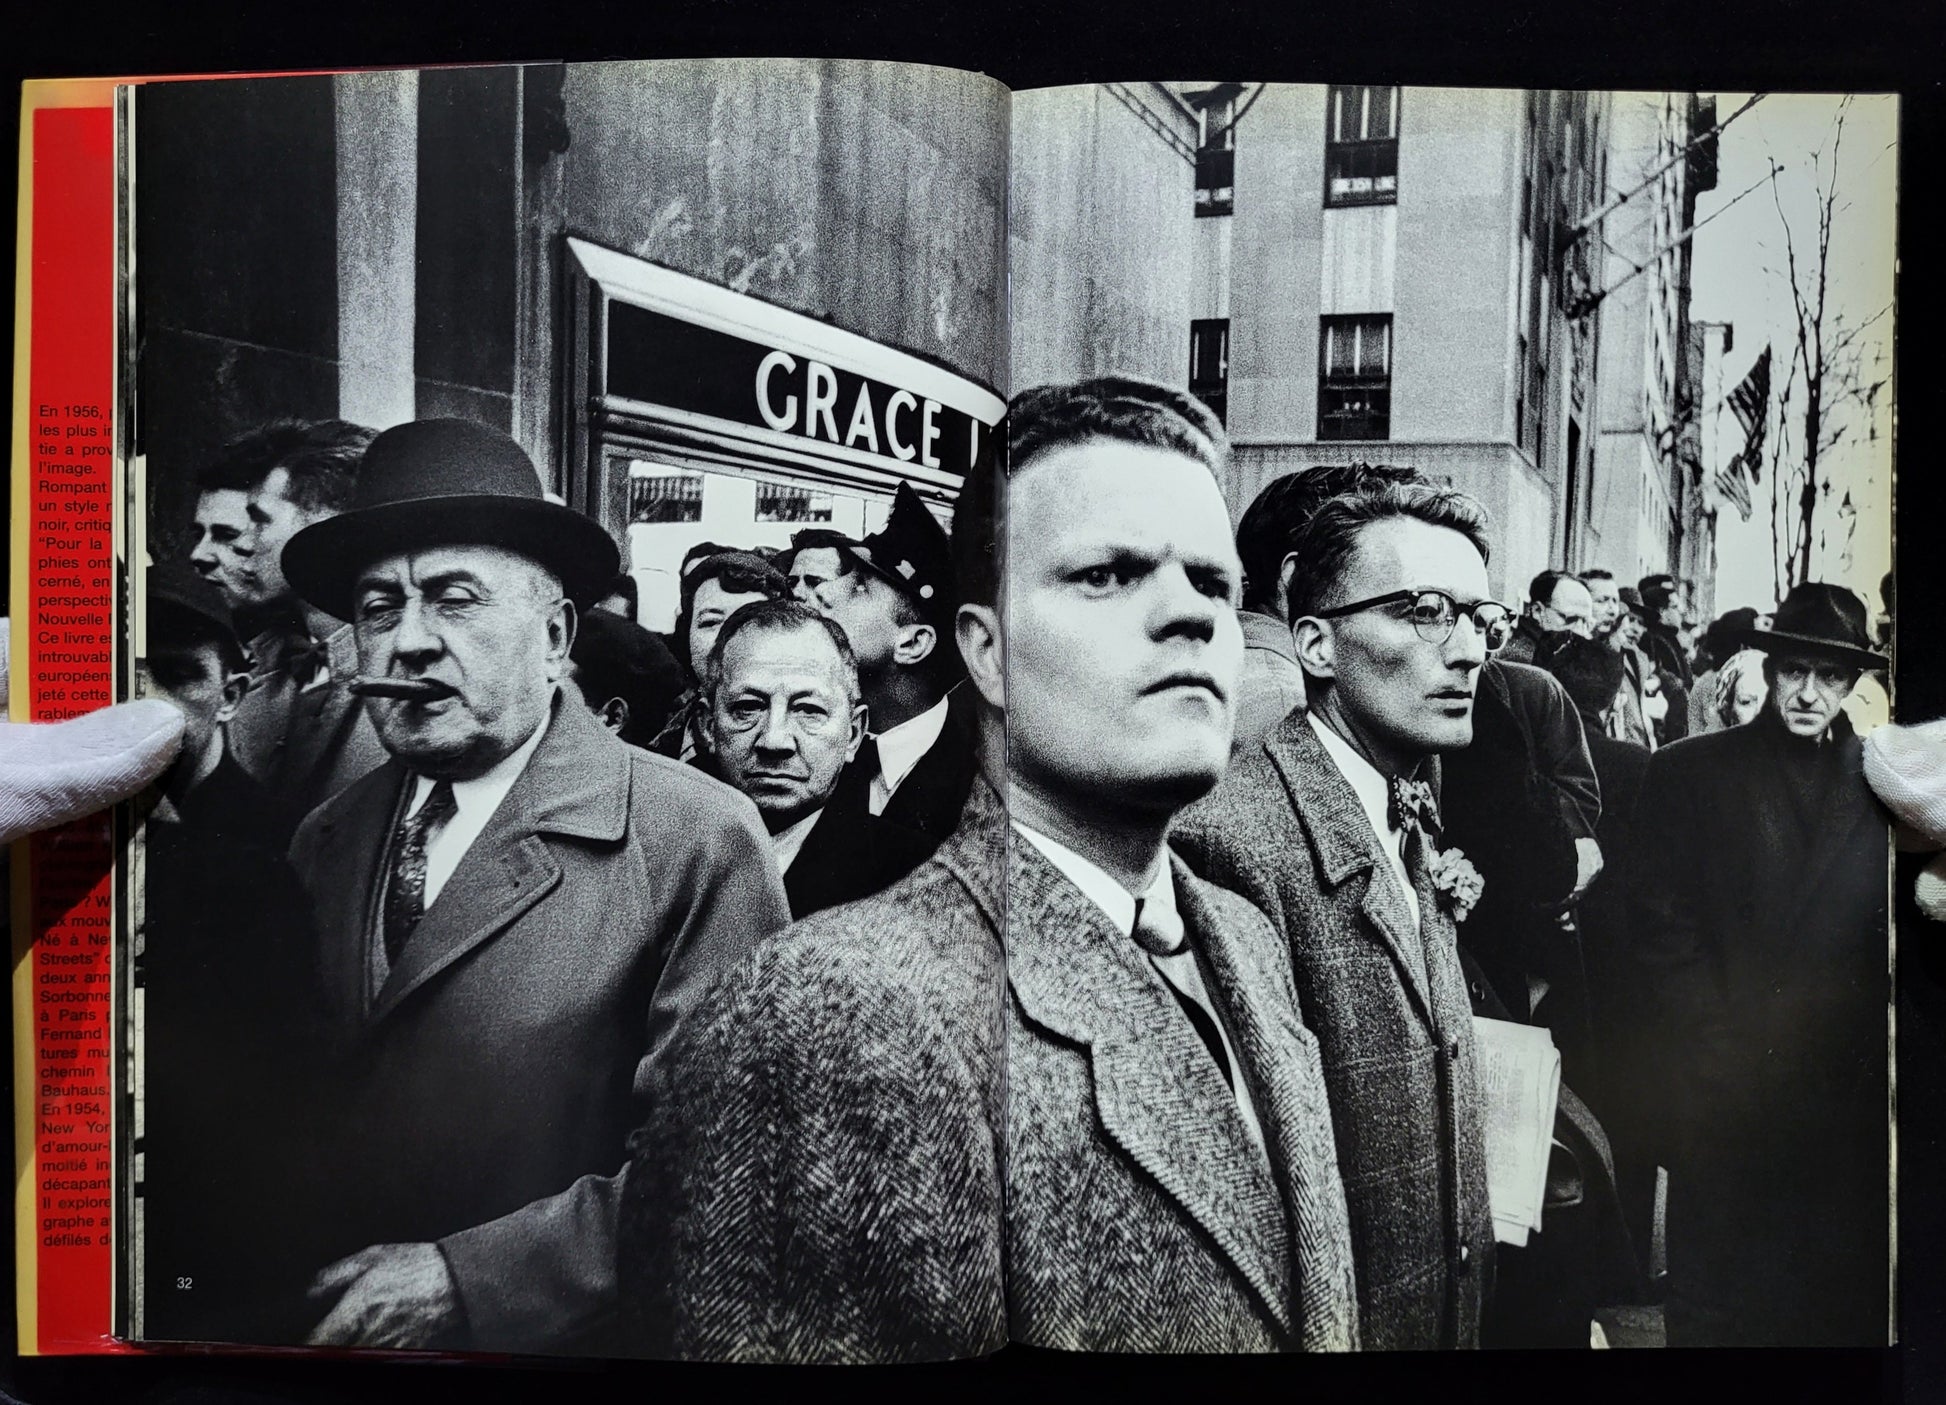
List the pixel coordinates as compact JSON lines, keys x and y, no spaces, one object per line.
{"x":411,"y":689}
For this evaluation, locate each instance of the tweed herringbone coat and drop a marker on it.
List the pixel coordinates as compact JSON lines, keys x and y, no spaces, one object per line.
{"x":1141,"y":1216}
{"x":1388,"y":1004}
{"x":826,"y":1182}
{"x":898,"y":1141}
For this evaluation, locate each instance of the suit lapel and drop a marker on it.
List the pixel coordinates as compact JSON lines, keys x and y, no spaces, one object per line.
{"x":576,"y":784}
{"x":1281,"y":1061}
{"x":1161,"y":1099}
{"x":1343,"y":841}
{"x":348,"y":893}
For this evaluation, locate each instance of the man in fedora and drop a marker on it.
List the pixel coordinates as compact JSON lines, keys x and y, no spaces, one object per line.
{"x":892,"y":593}
{"x":1760,"y":917}
{"x":516,"y":915}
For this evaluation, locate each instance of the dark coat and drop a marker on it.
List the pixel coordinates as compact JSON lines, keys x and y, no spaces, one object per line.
{"x":1760,"y":919}
{"x":222,"y":960}
{"x":1140,"y":1214}
{"x":934,"y":792}
{"x":826,"y":1183}
{"x":850,"y":853}
{"x":304,"y":745}
{"x":488,"y":1093}
{"x":1389,"y":1006}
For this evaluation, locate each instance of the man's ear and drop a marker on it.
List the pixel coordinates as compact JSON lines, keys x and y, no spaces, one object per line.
{"x":1316,"y":648}
{"x":860,"y":716}
{"x":561,"y":623}
{"x":1285,"y":570}
{"x":614,"y":715}
{"x":983,"y":648}
{"x":234,"y":688}
{"x":914,"y":644}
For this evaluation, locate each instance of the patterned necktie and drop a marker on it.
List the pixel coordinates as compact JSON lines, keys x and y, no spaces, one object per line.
{"x":1409,"y":806}
{"x":1159,"y":931}
{"x":405,"y":896}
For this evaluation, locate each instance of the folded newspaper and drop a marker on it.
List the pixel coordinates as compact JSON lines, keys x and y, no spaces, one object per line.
{"x":1520,"y":1081}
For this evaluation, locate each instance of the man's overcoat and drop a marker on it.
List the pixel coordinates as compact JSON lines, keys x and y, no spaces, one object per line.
{"x":1388,"y":1004}
{"x":483,"y":1098}
{"x":1760,"y":919}
{"x":1141,"y":1215}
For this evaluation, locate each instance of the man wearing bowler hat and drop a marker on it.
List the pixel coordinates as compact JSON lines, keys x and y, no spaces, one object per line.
{"x":1760,"y":918}
{"x":893,"y":595}
{"x":517,"y":915}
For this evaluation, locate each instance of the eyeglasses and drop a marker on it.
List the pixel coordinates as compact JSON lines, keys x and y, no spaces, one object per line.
{"x":1433,"y":614}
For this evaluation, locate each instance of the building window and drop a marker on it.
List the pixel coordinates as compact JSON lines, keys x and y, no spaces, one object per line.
{"x":1209,"y":364}
{"x":1361,"y":152}
{"x":658,"y":494}
{"x":779,"y":502}
{"x":1216,"y":156}
{"x":1216,"y":179}
{"x":1355,"y":378}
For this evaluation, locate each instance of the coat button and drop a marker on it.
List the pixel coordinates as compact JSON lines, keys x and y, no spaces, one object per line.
{"x":1461,"y":1264}
{"x":1453,"y":1049}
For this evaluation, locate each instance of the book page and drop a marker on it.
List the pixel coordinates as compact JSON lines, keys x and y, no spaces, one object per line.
{"x":620,"y":349}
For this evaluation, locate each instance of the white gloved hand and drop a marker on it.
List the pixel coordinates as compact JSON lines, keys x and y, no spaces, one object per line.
{"x":1906,"y":766}
{"x":54,"y":772}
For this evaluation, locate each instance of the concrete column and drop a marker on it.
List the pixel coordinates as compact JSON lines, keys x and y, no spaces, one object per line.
{"x":378,"y":208}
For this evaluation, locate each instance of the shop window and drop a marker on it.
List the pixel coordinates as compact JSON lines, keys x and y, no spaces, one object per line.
{"x":1209,"y":364}
{"x":1355,"y":378}
{"x":778,"y":502}
{"x":664,"y":494}
{"x":1361,"y":153}
{"x":1216,"y":157}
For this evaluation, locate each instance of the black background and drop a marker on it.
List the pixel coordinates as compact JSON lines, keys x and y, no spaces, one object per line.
{"x":1729,"y":45}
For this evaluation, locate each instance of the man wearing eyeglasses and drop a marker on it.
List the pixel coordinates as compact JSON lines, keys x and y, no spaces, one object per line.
{"x":1557,"y":603}
{"x":1327,"y":827}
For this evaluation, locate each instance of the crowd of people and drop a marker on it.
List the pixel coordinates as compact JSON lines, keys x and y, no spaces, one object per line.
{"x":1069,"y":929}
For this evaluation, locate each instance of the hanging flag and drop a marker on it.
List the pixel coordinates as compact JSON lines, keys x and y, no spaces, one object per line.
{"x":1750,"y":403}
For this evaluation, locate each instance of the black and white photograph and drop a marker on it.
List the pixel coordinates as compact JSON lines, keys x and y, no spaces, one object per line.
{"x":840,"y":715}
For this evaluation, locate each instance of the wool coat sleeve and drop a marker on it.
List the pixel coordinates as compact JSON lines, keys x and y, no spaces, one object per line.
{"x":1668,"y":928}
{"x":827,"y":1184}
{"x":547,"y":1269}
{"x":1558,"y":743}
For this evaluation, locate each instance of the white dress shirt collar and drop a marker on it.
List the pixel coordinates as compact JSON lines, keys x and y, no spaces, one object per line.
{"x":899,"y":750}
{"x":474,"y":804}
{"x":1095,"y":883}
{"x":1374,"y":794}
{"x":786,"y":843}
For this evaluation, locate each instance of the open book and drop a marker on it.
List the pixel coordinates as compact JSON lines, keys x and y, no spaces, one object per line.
{"x":694,"y":840}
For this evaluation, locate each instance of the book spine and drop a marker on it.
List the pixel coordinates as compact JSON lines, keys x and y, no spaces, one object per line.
{"x":64,"y":650}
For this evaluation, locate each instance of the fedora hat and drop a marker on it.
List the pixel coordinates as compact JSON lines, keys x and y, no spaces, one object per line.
{"x":1819,"y":621}
{"x":447,"y":483}
{"x":912,"y":553}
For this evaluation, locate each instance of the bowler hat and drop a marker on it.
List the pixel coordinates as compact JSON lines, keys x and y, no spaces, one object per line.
{"x":1632,"y":598}
{"x":913,"y":554}
{"x":447,"y":483}
{"x":1818,"y":620}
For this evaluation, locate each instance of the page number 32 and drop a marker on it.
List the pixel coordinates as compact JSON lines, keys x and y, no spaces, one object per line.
{"x":185,"y":1283}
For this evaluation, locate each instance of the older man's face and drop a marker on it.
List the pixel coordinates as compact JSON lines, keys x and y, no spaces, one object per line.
{"x":486,"y":626}
{"x":784,"y":722}
{"x":1400,"y":695}
{"x":1572,"y":610}
{"x":1122,"y":644}
{"x":1808,"y":692}
{"x":1607,"y":600}
{"x":225,"y":553}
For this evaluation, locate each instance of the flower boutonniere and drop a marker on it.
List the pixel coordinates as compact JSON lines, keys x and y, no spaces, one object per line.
{"x":1454,"y":878}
